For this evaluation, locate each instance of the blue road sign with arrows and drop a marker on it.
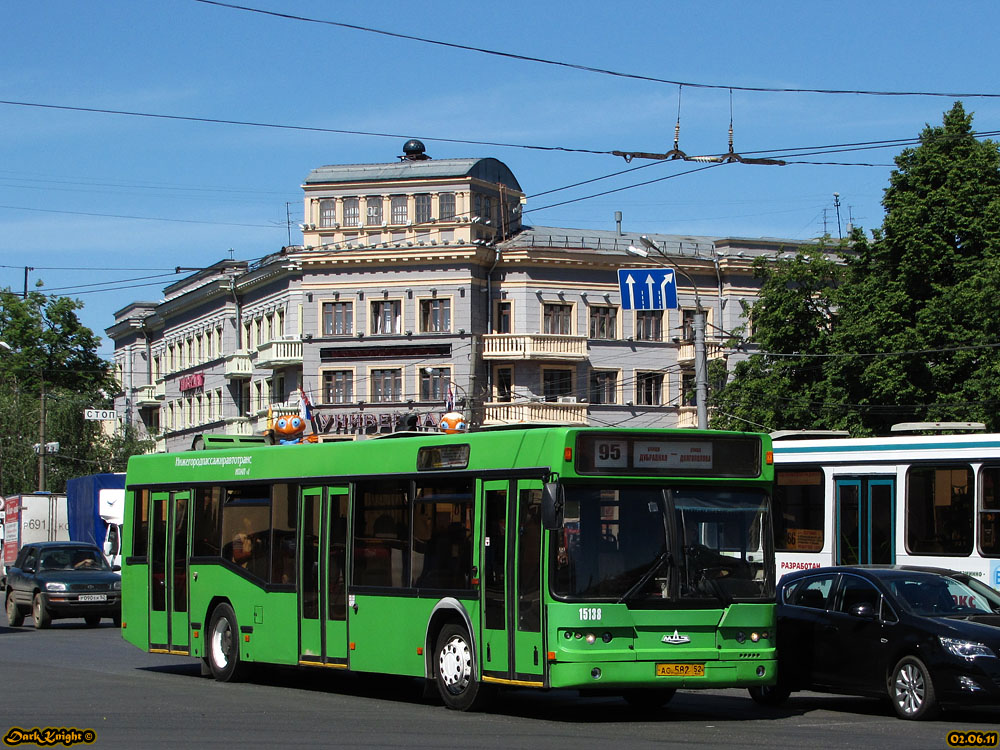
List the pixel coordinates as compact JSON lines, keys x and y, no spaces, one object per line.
{"x":647,"y":288}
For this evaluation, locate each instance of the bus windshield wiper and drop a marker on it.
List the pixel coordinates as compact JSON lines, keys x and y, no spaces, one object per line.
{"x":664,"y":558}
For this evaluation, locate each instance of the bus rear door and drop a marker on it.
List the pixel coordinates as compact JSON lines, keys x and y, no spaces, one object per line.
{"x":169,"y":619}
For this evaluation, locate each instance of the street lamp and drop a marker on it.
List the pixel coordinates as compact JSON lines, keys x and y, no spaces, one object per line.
{"x":700,"y":355}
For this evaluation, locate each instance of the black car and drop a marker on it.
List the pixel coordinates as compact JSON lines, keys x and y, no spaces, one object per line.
{"x":925,"y":637}
{"x":62,"y":579}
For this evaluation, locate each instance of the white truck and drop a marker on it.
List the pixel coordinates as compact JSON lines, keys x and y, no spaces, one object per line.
{"x":37,"y":517}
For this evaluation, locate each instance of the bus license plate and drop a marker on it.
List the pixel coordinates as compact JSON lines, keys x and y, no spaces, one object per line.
{"x":93,"y":597}
{"x":680,"y":670}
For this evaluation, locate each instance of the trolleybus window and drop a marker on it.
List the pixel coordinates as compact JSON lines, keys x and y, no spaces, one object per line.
{"x":798,"y":510}
{"x":989,"y":517}
{"x":382,"y":534}
{"x":442,"y":535}
{"x":939,"y":510}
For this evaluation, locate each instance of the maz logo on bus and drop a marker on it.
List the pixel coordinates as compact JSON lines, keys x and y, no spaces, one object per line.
{"x":590,"y":613}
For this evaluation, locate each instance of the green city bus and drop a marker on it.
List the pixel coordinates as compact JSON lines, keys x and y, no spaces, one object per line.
{"x":624,"y":561}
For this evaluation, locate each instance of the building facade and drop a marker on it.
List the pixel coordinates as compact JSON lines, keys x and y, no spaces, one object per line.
{"x":417,"y":291}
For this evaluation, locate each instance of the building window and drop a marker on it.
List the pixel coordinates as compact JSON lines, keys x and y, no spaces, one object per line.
{"x":397,"y":207}
{"x":386,"y":316}
{"x":387,"y":385}
{"x":435,"y":315}
{"x":338,"y":387}
{"x":352,"y":212}
{"x":338,"y":318}
{"x":503,"y":384}
{"x":446,"y":206}
{"x":649,"y":388}
{"x":373,"y":207}
{"x":327,"y":212}
{"x":556,"y":383}
{"x":687,"y":325}
{"x":649,"y":325}
{"x":422,"y":208}
{"x":689,"y":389}
{"x":603,"y":322}
{"x":504,"y":317}
{"x":557,"y":319}
{"x":434,"y":383}
{"x":604,"y":387}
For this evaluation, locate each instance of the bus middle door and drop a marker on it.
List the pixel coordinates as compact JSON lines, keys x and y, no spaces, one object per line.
{"x":322,"y":588}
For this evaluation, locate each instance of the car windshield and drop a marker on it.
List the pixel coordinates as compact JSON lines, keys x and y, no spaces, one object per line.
{"x":936,"y":596}
{"x":72,"y":558}
{"x":648,"y":544}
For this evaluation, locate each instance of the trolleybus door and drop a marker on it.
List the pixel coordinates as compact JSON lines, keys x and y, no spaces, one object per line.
{"x":865,"y":512}
{"x":169,"y":619}
{"x":322,"y":604}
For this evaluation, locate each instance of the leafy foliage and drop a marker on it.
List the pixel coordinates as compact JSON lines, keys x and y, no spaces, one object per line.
{"x":53,"y":361}
{"x":907,"y":325}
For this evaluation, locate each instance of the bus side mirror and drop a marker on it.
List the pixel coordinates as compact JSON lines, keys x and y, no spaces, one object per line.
{"x":552,"y":506}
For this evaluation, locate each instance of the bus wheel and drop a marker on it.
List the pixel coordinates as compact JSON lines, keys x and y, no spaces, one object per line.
{"x":15,"y":617}
{"x":769,"y":695}
{"x":224,"y":645}
{"x":911,"y":690}
{"x":648,"y":699}
{"x":456,"y":679}
{"x":40,"y":614}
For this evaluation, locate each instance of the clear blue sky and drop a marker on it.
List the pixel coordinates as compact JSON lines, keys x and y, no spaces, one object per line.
{"x":101,"y":199}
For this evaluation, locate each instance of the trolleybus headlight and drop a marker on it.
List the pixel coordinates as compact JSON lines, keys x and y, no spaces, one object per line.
{"x":591,"y":638}
{"x":741,"y":637}
{"x":568,"y":634}
{"x":579,"y":635}
{"x":55,"y":586}
{"x":761,"y":671}
{"x":606,"y":637}
{"x":755,"y":637}
{"x":596,"y":673}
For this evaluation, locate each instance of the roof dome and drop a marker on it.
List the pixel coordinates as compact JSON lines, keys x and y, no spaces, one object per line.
{"x":414,"y":150}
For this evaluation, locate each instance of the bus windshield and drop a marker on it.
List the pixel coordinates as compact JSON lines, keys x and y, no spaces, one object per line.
{"x":655,"y":544}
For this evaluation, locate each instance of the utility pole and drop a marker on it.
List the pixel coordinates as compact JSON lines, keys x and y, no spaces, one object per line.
{"x":41,"y":439}
{"x":26,"y":269}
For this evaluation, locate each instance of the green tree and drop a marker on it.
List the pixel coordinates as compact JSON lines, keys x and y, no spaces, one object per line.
{"x":791,"y":324}
{"x":907,"y":324}
{"x":52,"y":361}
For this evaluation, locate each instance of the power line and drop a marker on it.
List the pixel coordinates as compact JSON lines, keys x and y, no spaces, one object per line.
{"x":142,"y":218}
{"x":587,"y":68}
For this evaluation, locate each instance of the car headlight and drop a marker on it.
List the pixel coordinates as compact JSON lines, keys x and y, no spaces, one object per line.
{"x":965,"y":649}
{"x":116,"y":586}
{"x":55,"y":586}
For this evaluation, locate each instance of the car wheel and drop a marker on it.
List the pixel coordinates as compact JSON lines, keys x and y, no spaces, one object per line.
{"x":40,"y":614}
{"x":224,"y":645}
{"x":15,"y":617}
{"x":92,"y":620}
{"x":769,"y":695}
{"x":648,"y":699}
{"x":912,"y":691}
{"x":454,"y":670}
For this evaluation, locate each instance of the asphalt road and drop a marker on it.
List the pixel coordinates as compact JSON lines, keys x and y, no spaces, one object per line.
{"x":75,"y":677}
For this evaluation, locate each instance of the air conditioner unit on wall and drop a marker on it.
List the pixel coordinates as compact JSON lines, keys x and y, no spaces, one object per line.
{"x":566,"y":399}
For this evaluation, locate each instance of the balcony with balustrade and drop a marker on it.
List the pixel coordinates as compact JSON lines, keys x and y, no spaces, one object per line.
{"x":238,"y":366}
{"x":534,"y":346}
{"x":150,"y":396}
{"x":685,"y":352}
{"x":272,"y":355}
{"x":514,"y":412}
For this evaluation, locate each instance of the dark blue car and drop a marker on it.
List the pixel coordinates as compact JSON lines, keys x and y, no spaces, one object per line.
{"x":924,"y":637}
{"x":62,"y":579}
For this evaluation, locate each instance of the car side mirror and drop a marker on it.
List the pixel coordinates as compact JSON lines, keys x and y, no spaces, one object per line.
{"x":864,"y":610}
{"x":28,"y":568}
{"x":116,"y":568}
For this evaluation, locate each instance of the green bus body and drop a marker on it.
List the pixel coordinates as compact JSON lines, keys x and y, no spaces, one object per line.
{"x":556,"y":607}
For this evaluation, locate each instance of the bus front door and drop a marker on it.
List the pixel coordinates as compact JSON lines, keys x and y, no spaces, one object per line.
{"x":865,"y":511}
{"x":169,"y":618}
{"x":511,"y":583}
{"x":322,"y":603}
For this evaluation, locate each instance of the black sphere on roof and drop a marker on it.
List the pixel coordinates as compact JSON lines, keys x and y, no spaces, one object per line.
{"x":414,"y":150}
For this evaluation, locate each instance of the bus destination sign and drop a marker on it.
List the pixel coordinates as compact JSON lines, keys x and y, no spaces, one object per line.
{"x":646,"y":453}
